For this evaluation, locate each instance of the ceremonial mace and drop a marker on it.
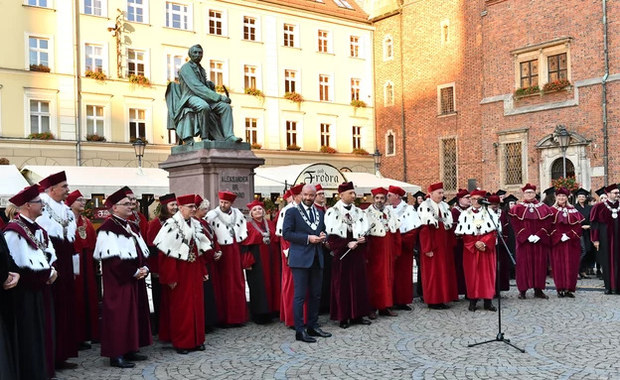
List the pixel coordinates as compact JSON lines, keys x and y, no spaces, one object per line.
{"x":363,"y":235}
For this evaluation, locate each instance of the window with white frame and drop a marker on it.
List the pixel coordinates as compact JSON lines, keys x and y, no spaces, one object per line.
{"x":446,"y":102}
{"x":94,"y":7}
{"x":215,"y":22}
{"x":388,"y":94}
{"x":354,"y":42}
{"x":95,"y":120}
{"x":324,"y":87}
{"x":40,"y":116}
{"x":136,"y":62}
{"x":289,"y":35}
{"x":137,"y":11}
{"x":38,"y":52}
{"x":137,"y":123}
{"x":178,"y":16}
{"x":173,"y":65}
{"x":356,"y":134}
{"x":216,"y":72}
{"x":249,"y":28}
{"x":323,"y":40}
{"x":94,"y":57}
{"x":390,"y":143}
{"x":388,"y":48}
{"x":290,"y":81}
{"x":355,"y":88}
{"x":39,"y":3}
{"x":249,"y":76}
{"x":291,"y":133}
{"x":251,"y":130}
{"x":325,"y":134}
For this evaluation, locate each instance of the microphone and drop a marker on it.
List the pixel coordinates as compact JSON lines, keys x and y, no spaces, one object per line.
{"x":485,"y":202}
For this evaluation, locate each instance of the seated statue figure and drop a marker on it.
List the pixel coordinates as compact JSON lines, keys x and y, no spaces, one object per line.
{"x":194,"y":108}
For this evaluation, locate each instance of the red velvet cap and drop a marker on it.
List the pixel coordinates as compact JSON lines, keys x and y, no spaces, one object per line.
{"x":287,"y":194}
{"x":255,"y":203}
{"x":479,"y":193}
{"x":397,"y":190}
{"x":462,"y":193}
{"x":296,"y":190}
{"x":127,"y":190}
{"x":528,"y":186}
{"x":165,"y":199}
{"x":198,"y":200}
{"x":379,"y":190}
{"x":27,"y":194}
{"x":494,"y":199}
{"x":115,"y":197}
{"x":319,"y":187}
{"x":52,"y":180}
{"x":187,"y":199}
{"x":73,"y":196}
{"x":435,"y":186}
{"x":562,"y":190}
{"x":227,"y":196}
{"x":345,"y":186}
{"x":610,"y":188}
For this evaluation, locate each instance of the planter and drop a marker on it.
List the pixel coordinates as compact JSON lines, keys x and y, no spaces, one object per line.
{"x":256,"y":146}
{"x":293,"y":147}
{"x":97,"y":75}
{"x":40,"y":68}
{"x":328,"y":149}
{"x":140,"y":80}
{"x":41,"y":136}
{"x":95,"y":138}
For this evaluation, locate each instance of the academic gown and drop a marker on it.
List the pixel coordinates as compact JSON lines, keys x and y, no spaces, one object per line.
{"x":211,"y":314}
{"x":606,"y":230}
{"x":588,"y":252}
{"x":161,"y":294}
{"x":87,"y":299}
{"x":264,"y":276}
{"x":8,"y":331}
{"x":565,"y":256}
{"x":505,"y":263}
{"x":458,"y":254}
{"x":327,"y":274}
{"x":403,"y":267}
{"x":146,"y":335}
{"x":382,"y":251}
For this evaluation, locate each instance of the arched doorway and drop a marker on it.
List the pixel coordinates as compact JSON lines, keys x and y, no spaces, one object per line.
{"x":557,"y":169}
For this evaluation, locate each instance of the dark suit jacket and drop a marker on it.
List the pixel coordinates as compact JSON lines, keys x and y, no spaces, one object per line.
{"x":301,"y":253}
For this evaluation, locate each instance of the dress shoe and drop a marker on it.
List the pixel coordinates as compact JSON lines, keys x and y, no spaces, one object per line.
{"x":402,"y":307}
{"x":539,"y":294}
{"x":134,"y":357}
{"x":121,"y":363}
{"x":434,"y":306}
{"x":443,"y":306}
{"x":472,"y":305}
{"x":318,"y":332}
{"x":304,"y":337}
{"x":372,"y":316}
{"x":84,"y":346}
{"x":200,"y":348}
{"x":569,"y":294}
{"x":66,"y":365}
{"x":182,"y":351}
{"x":361,"y":321}
{"x":387,"y":312}
{"x":345,"y":324}
{"x":488,"y":305}
{"x":521,"y":296}
{"x":561,"y":294}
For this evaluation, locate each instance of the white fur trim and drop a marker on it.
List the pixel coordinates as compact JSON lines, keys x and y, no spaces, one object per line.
{"x":110,"y":245}
{"x":218,"y":221}
{"x":407,"y":215}
{"x":169,"y":240}
{"x":335,"y":224}
{"x":376,"y":220}
{"x":280,"y":224}
{"x":469,"y":219}
{"x":428,"y":213}
{"x":51,"y":226}
{"x":27,"y":257}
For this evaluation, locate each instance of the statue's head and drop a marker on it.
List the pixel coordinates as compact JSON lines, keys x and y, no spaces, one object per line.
{"x":195,"y":53}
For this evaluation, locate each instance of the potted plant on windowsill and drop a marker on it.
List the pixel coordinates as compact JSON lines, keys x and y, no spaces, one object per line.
{"x":360,"y":151}
{"x":256,"y":146}
{"x":139,"y":80}
{"x":95,"y":138}
{"x":41,"y":68}
{"x":358,"y":103}
{"x":556,"y":85}
{"x":97,"y":75}
{"x":4,"y":161}
{"x":41,"y":136}
{"x":294,"y":97}
{"x":526,"y":91}
{"x":254,"y":92}
{"x":293,"y":147}
{"x":133,"y":139}
{"x":328,"y":149}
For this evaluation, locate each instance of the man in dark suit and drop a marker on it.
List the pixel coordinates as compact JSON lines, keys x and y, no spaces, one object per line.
{"x":304,"y":228}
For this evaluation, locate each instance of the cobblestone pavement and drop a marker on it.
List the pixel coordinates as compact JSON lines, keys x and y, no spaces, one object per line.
{"x":563,"y":339}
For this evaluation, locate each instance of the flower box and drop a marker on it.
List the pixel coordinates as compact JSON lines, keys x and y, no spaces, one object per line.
{"x":360,"y":151}
{"x":556,"y":85}
{"x":254,"y":92}
{"x":42,"y":68}
{"x":526,"y":91}
{"x":293,"y":97}
{"x":328,"y":149}
{"x":358,"y":103}
{"x":98,"y":75}
{"x":293,"y":147}
{"x":41,"y":136}
{"x":95,"y":138}
{"x":256,"y":146}
{"x":139,"y":80}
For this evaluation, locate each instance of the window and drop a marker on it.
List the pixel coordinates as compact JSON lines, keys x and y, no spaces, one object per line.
{"x":215,"y":22}
{"x":136,"y":62}
{"x":94,"y":7}
{"x":251,"y":130}
{"x":448,"y":161}
{"x":355,"y":46}
{"x":324,"y":83}
{"x":94,"y":58}
{"x":446,"y":99}
{"x":557,"y":67}
{"x":178,"y":16}
{"x":173,"y":64}
{"x":390,"y":144}
{"x":38,"y":52}
{"x":445,"y":31}
{"x":323,"y":39}
{"x":137,"y":10}
{"x":39,"y":3}
{"x":388,"y":94}
{"x":249,"y":77}
{"x":137,"y":123}
{"x":513,"y":163}
{"x":39,"y":116}
{"x":94,"y":120}
{"x":529,"y":73}
{"x":325,"y":134}
{"x":249,"y":28}
{"x":388,"y":48}
{"x":355,"y":89}
{"x":290,"y":81}
{"x":216,"y":72}
{"x":289,"y":35}
{"x":291,"y":133}
{"x":343,"y":4}
{"x":356,"y":133}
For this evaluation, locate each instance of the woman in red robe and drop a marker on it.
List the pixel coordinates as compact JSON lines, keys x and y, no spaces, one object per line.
{"x":565,"y":244}
{"x":263,"y":269}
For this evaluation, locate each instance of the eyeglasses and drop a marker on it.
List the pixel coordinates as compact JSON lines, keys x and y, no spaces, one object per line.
{"x":124,"y":204}
{"x":39,"y":201}
{"x":190,"y":206}
{"x":80,"y":200}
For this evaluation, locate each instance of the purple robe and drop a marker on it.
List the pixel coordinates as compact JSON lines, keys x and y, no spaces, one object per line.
{"x":605,"y":230}
{"x":565,"y":255}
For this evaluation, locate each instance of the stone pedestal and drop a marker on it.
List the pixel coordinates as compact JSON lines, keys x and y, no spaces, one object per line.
{"x":208,"y":167}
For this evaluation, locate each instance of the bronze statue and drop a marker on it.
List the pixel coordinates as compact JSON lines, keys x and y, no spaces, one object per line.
{"x":194,"y":108}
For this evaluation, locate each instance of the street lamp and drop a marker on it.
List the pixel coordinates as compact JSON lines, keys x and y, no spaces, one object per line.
{"x":377,"y":158}
{"x":138,"y":147}
{"x":563,"y":138}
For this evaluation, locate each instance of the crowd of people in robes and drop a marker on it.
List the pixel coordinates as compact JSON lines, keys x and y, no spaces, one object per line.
{"x":69,"y":285}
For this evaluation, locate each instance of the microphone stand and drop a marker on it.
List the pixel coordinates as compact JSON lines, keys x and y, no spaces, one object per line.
{"x":500,"y":335}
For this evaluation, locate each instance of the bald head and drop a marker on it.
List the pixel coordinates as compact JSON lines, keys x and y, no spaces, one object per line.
{"x":308,"y":193}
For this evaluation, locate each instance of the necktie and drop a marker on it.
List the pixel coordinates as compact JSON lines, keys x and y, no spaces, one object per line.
{"x":310,"y":215}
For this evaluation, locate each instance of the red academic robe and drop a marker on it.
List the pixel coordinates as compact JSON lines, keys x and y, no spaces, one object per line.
{"x":146,"y":337}
{"x":505,"y":263}
{"x":606,"y":230}
{"x":211,"y":315}
{"x":438,"y":272}
{"x":403,"y":267}
{"x":86,"y":293}
{"x":526,"y":220}
{"x":479,"y":266}
{"x":161,"y":305}
{"x":457,"y":243}
{"x":565,"y":256}
{"x":382,"y":251}
{"x":229,"y":285}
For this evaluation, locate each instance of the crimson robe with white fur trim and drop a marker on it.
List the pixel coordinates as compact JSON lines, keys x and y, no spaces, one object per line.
{"x":403,"y":265}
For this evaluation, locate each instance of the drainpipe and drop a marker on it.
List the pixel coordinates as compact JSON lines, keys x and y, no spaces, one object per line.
{"x":604,"y":105}
{"x":402,"y":95}
{"x":77,"y":81}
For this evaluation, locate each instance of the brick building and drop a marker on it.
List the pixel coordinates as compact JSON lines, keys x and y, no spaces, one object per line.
{"x":472,"y":92}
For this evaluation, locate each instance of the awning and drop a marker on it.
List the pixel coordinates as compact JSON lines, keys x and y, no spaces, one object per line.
{"x":12,"y":183}
{"x":105,"y":180}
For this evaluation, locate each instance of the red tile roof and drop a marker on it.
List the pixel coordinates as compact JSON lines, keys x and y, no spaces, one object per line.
{"x":326,"y":7}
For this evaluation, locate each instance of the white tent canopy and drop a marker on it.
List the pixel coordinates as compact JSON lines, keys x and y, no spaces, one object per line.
{"x":12,"y":183}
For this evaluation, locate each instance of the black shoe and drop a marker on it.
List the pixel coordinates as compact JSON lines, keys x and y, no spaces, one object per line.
{"x":607,"y":291}
{"x":134,"y":357}
{"x":472,"y":305}
{"x":561,"y":294}
{"x":434,"y":306}
{"x":121,"y":363}
{"x":304,"y":337}
{"x":402,"y":307}
{"x":361,"y":321}
{"x":521,"y":296}
{"x":84,"y":346}
{"x":200,"y":348}
{"x":569,"y":294}
{"x":182,"y":351}
{"x":66,"y":365}
{"x":372,"y":316}
{"x":443,"y":306}
{"x":538,"y":293}
{"x":318,"y":332}
{"x":488,"y":305}
{"x":345,"y":324}
{"x":387,"y":312}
